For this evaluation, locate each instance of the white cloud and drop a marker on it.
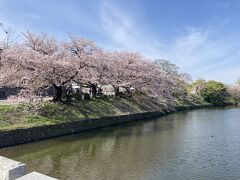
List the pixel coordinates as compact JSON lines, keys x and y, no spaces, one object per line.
{"x":221,"y":5}
{"x":36,"y":17}
{"x":125,"y":32}
{"x":228,"y":75}
{"x":202,"y":52}
{"x":203,"y":56}
{"x":197,"y":52}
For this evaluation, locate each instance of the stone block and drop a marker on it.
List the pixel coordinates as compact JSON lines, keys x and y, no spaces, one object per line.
{"x":35,"y":176}
{"x":10,"y":169}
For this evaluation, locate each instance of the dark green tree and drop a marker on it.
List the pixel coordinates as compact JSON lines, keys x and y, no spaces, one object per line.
{"x":167,"y":66}
{"x":214,"y":92}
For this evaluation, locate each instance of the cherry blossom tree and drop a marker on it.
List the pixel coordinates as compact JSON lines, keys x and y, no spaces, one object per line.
{"x":99,"y":73}
{"x":234,"y":92}
{"x":130,"y":69}
{"x":87,"y":57}
{"x":43,"y":62}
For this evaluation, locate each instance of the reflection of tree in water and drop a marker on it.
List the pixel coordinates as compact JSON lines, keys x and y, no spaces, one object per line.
{"x":174,"y":146}
{"x":109,"y":153}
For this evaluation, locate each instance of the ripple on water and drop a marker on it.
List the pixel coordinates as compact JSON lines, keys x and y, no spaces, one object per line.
{"x":200,"y":144}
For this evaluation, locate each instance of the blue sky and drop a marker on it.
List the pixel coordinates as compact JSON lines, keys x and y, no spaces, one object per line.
{"x":201,"y":36}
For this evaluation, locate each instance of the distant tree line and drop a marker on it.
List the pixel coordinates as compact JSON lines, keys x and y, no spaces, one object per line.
{"x":216,"y":92}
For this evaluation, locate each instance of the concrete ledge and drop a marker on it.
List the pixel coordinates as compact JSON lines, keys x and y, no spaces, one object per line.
{"x":35,"y":176}
{"x":10,"y":169}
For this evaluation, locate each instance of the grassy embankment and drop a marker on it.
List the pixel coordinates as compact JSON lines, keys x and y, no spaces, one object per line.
{"x":46,"y":113}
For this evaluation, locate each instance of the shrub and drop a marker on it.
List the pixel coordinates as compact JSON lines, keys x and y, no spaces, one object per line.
{"x":68,"y":97}
{"x":76,"y":96}
{"x":214,"y":92}
{"x":86,"y":96}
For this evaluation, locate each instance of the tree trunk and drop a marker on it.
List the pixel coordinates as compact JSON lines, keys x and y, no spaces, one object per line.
{"x":128,"y":90}
{"x":116,"y":90}
{"x":94,"y":90}
{"x":57,"y":93}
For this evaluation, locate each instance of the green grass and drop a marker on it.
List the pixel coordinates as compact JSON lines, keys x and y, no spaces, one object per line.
{"x":47,"y":113}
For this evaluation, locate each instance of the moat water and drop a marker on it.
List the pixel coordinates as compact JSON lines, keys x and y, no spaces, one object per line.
{"x":199,"y":144}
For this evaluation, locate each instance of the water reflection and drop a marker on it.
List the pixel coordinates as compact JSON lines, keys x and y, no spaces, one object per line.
{"x":200,"y":144}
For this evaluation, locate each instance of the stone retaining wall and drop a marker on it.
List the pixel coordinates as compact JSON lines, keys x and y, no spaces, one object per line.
{"x":20,"y":136}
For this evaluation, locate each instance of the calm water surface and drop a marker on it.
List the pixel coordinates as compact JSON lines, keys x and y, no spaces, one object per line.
{"x":200,"y":144}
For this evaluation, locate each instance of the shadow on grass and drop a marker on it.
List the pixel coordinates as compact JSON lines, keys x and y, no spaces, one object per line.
{"x":73,"y":111}
{"x":53,"y":113}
